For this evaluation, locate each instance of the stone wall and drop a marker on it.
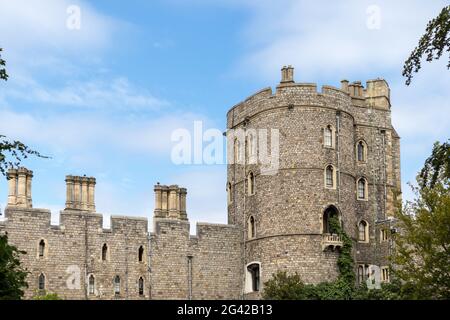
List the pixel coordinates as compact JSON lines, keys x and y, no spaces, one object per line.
{"x":175,"y":265}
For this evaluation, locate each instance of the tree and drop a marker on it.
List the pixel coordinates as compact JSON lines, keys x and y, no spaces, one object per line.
{"x":422,"y":255}
{"x":432,"y":44}
{"x":12,"y":274}
{"x":14,"y":149}
{"x":3,"y":74}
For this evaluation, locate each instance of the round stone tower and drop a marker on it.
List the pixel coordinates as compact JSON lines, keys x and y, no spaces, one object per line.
{"x":297,"y":157}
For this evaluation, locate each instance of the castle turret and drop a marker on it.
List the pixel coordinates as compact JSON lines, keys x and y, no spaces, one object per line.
{"x":338,"y":157}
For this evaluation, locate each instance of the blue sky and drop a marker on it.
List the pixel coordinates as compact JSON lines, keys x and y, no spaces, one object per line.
{"x":103,"y":100}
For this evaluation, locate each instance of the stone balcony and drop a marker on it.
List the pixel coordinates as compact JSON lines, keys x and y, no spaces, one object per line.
{"x":331,"y":240}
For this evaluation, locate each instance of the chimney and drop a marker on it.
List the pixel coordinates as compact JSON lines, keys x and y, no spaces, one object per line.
{"x":19,"y":190}
{"x":158,"y":201}
{"x":287,"y":74}
{"x":173,"y":201}
{"x":344,"y":85}
{"x":170,"y":202}
{"x":183,"y":214}
{"x":80,"y":193}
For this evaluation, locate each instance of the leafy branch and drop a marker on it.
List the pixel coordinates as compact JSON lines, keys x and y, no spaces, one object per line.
{"x":432,"y":44}
{"x":17,"y":151}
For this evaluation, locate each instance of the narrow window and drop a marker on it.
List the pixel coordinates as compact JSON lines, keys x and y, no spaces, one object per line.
{"x":360,"y":274}
{"x":362,"y":227}
{"x":91,"y":284}
{"x":362,"y":189}
{"x":361,"y":151}
{"x":251,"y":145}
{"x":251,"y":183}
{"x":383,"y":235}
{"x":329,"y":177}
{"x":229,"y":195}
{"x":251,"y":228}
{"x":41,"y":282}
{"x":236,"y":151}
{"x":41,"y":248}
{"x":385,"y":274}
{"x":117,"y":285}
{"x":328,"y":136}
{"x":254,"y":271}
{"x":141,"y":286}
{"x":104,"y":252}
{"x":141,"y":254}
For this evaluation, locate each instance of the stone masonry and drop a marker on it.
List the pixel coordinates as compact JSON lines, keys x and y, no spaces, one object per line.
{"x":277,"y":219}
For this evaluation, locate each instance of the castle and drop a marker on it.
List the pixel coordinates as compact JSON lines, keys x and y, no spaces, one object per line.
{"x":338,"y":156}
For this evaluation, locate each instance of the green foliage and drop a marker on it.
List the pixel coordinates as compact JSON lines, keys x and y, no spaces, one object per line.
{"x":345,"y":261}
{"x":437,"y":166}
{"x":46,"y":296}
{"x":432,"y":44}
{"x":12,"y":275}
{"x":15,"y":150}
{"x":422,"y":255}
{"x":290,"y":287}
{"x":3,"y":74}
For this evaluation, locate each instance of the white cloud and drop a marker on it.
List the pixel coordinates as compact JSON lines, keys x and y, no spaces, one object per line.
{"x":42,"y":26}
{"x":117,"y":93}
{"x":72,"y":133}
{"x":322,"y":38}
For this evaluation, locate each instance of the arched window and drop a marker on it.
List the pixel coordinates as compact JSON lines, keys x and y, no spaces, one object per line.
{"x":116,"y":285}
{"x":251,"y":228}
{"x":251,"y":183}
{"x":91,"y":286}
{"x":330,"y":213}
{"x":41,"y":248}
{"x":361,"y":274}
{"x":329,"y":177}
{"x":41,"y":280}
{"x":229,"y":194}
{"x":141,"y":286}
{"x":253,"y":277}
{"x":104,"y":252}
{"x":141,"y":254}
{"x":361,"y":151}
{"x":362,"y":189}
{"x":363,"y":231}
{"x":328,"y":136}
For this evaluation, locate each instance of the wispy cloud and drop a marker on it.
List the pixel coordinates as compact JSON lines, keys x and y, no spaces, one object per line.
{"x":322,"y":38}
{"x":37,"y":27}
{"x":116,"y":93}
{"x":74,"y":132}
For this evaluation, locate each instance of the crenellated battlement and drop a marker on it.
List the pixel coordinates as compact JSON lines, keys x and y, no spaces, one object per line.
{"x":376,"y":95}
